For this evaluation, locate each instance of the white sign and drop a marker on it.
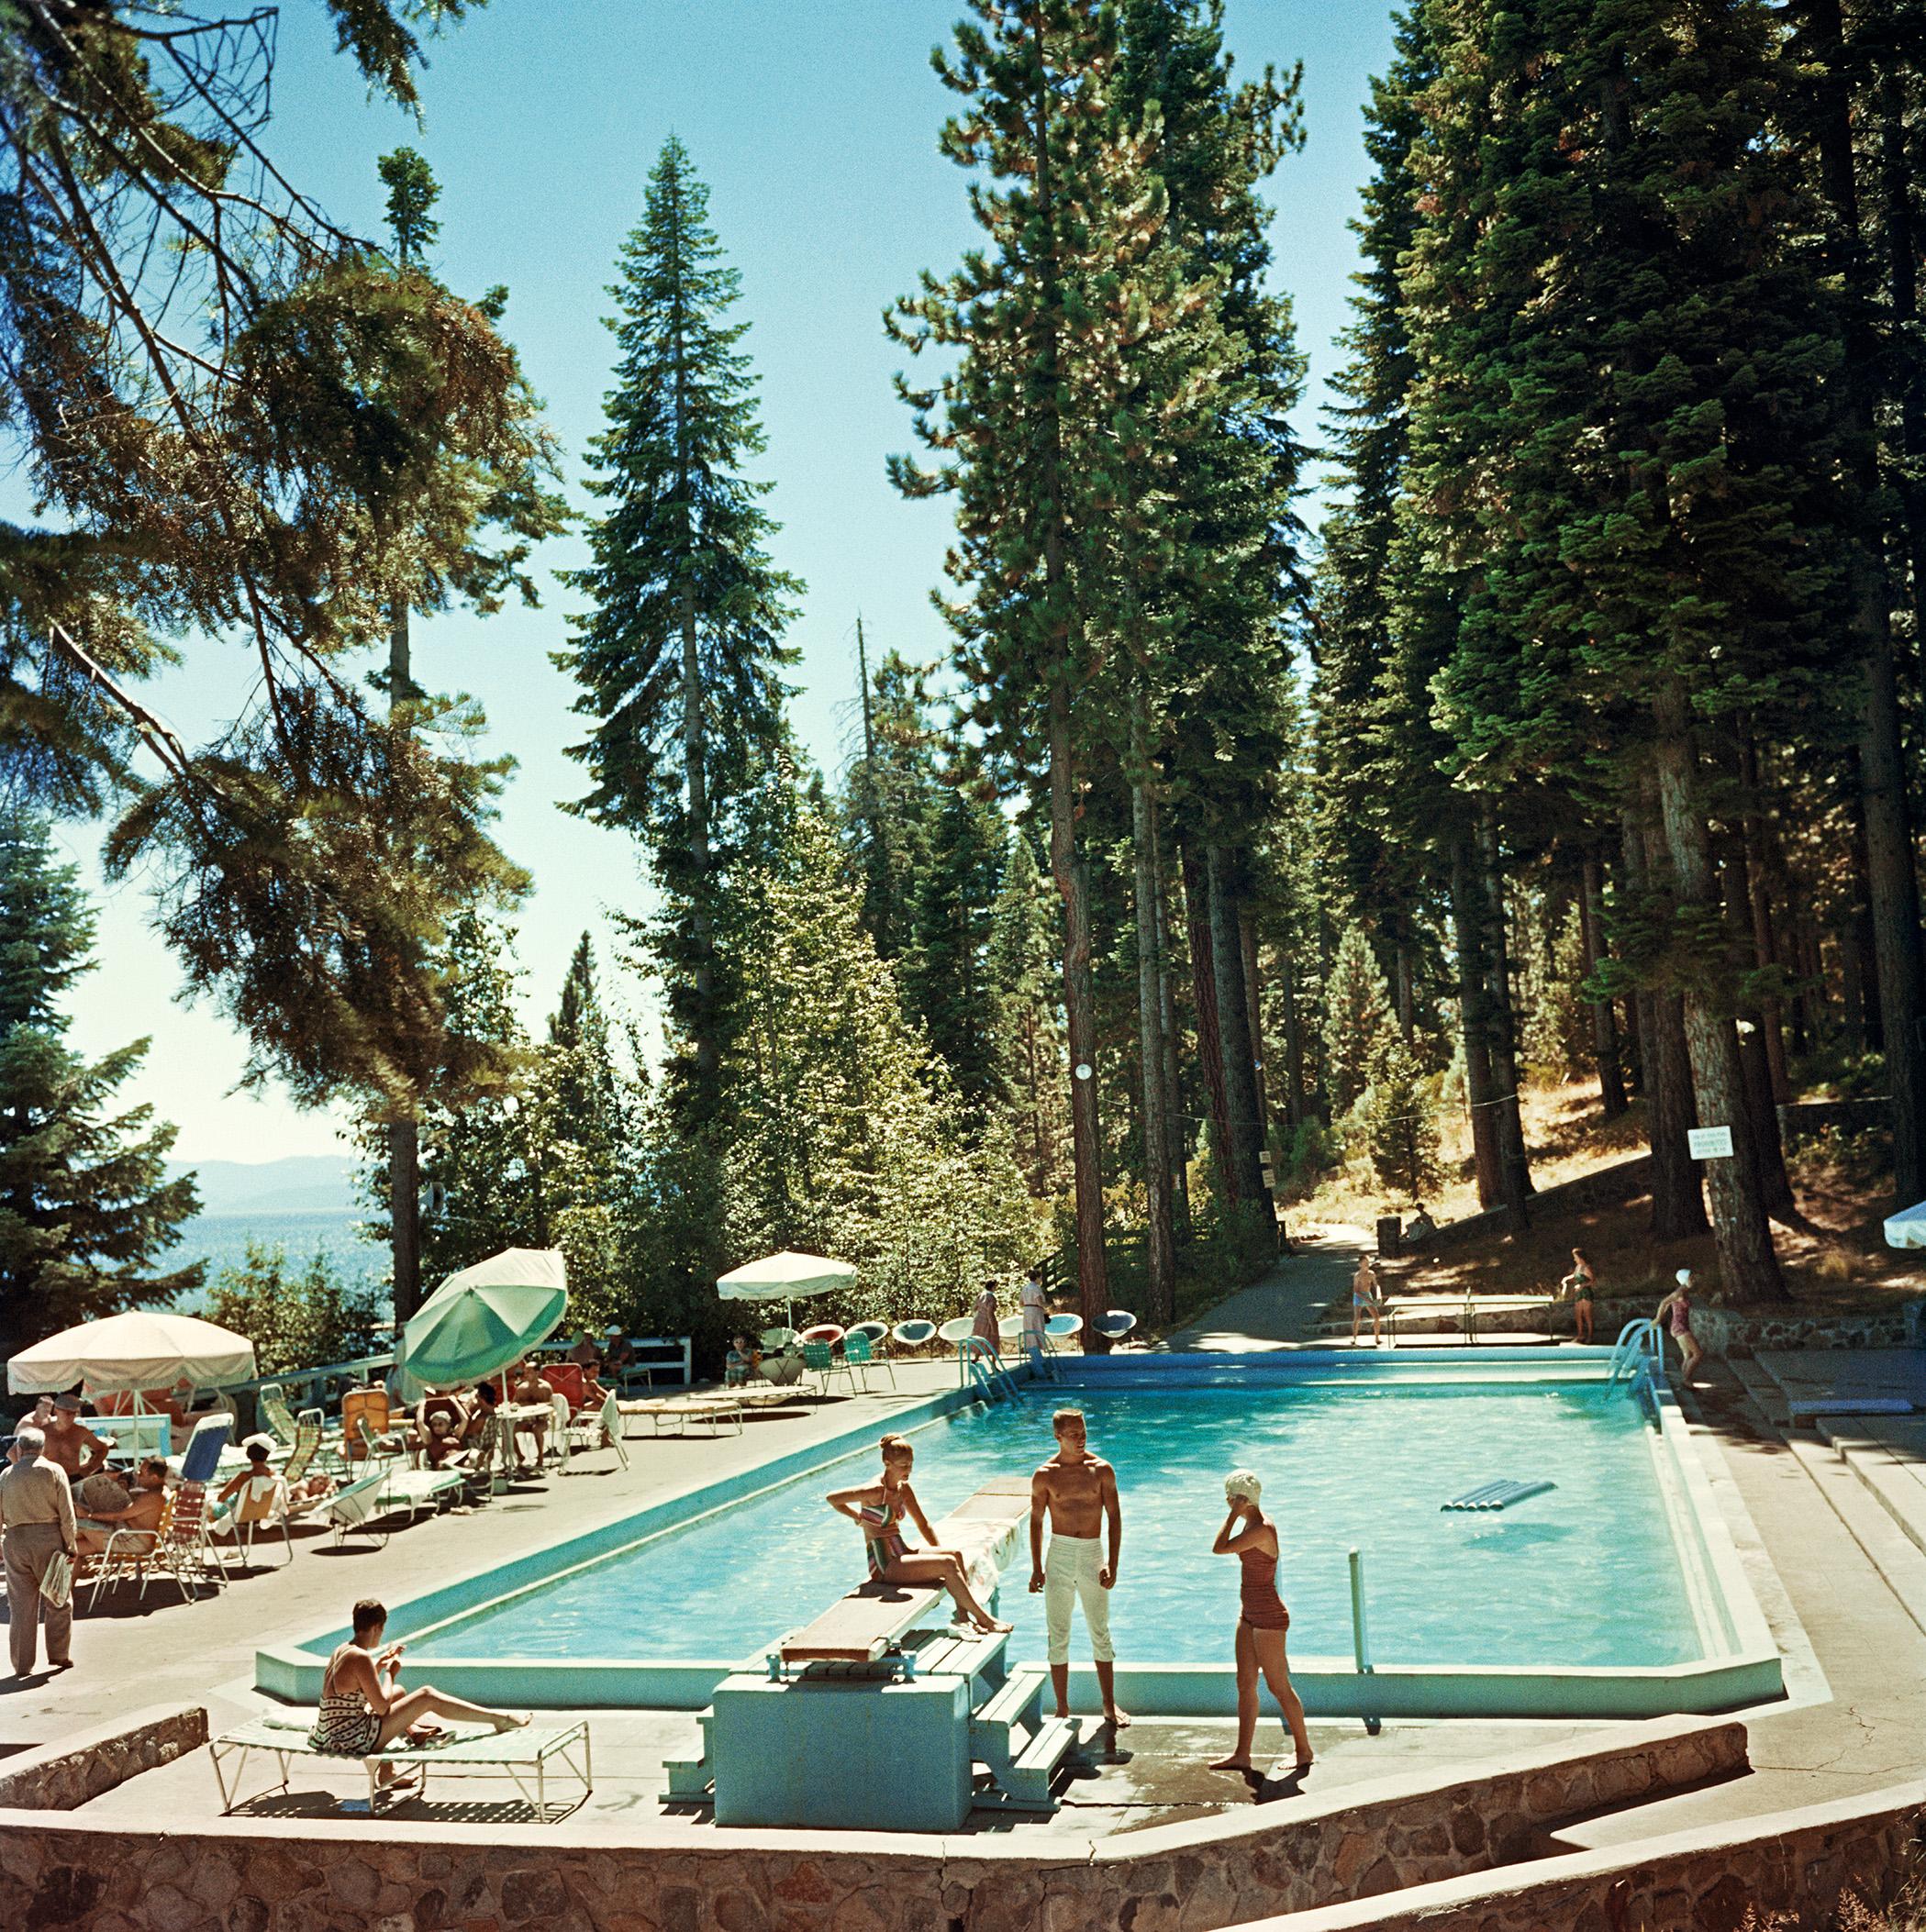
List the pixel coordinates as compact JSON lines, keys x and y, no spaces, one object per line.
{"x":1710,"y":1143}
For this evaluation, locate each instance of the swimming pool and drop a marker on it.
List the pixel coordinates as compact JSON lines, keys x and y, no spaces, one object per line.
{"x":1586,"y":1573}
{"x":1616,"y":1593}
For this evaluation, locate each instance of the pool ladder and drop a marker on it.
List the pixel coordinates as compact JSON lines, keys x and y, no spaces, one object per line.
{"x":1638,"y":1354}
{"x":985,"y":1368}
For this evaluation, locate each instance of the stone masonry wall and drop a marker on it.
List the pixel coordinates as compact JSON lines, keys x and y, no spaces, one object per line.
{"x":64,"y":1776}
{"x":1799,"y":1864}
{"x":278,"y":1875}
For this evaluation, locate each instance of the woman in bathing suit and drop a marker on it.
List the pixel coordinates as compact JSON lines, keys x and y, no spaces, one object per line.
{"x":1252,"y":1538}
{"x":1680,"y":1303}
{"x":363,"y":1707}
{"x":880,"y":1511}
{"x":1578,"y":1286}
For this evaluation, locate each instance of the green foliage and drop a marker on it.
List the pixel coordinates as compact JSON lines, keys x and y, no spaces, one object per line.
{"x":1022,"y":968}
{"x":295,"y":1320}
{"x":413,"y":191}
{"x":1556,"y":1029}
{"x":1357,"y":1021}
{"x":1399,"y":1118}
{"x":888,"y":797}
{"x":85,"y":1209}
{"x":846,"y":1139}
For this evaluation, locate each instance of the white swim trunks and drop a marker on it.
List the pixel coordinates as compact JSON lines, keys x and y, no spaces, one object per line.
{"x":1070,"y":1573}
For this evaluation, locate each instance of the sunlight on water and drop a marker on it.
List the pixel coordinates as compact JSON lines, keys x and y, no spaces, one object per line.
{"x":1586,"y":1574}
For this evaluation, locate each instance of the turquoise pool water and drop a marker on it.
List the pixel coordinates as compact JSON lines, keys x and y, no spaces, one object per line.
{"x":1586,"y":1574}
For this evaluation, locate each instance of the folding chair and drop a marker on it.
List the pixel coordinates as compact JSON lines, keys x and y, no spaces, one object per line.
{"x":858,"y":1354}
{"x":822,"y":1361}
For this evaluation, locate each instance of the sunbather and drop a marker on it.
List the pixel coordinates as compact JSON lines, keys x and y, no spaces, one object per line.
{"x":364,"y":1709}
{"x":880,"y":1511}
{"x":533,"y":1390}
{"x":143,"y":1512}
{"x":441,"y":1426}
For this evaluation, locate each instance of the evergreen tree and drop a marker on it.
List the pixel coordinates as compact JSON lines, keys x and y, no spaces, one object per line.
{"x":294,"y":1319}
{"x":85,"y":1209}
{"x":680,"y":656}
{"x":948,"y":985}
{"x":1071,"y":210}
{"x":1032,"y":1046}
{"x":845,"y":1138}
{"x":1357,"y":1021}
{"x":889,"y":795}
{"x":1401,"y":1122}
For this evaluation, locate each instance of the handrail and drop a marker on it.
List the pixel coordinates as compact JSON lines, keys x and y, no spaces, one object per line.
{"x":985,"y":1368}
{"x":1640,"y":1347}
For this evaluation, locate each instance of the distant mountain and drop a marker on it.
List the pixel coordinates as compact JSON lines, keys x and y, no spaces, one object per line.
{"x":302,"y":1184}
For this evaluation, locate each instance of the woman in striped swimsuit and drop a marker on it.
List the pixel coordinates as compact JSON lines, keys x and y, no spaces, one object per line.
{"x":880,"y":1511}
{"x":1252,"y":1538}
{"x":363,"y":1707}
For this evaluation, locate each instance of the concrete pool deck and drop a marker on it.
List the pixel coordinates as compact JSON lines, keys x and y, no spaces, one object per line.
{"x":1850,"y":1612}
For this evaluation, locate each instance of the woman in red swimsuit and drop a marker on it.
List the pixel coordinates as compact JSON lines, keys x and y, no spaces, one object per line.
{"x":1252,"y":1538}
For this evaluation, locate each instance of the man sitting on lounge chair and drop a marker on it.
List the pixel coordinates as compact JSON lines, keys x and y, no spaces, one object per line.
{"x":533,"y":1390}
{"x":442,"y":1424}
{"x":143,"y":1513}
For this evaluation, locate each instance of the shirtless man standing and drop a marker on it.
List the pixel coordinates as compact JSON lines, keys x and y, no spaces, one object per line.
{"x":1078,"y":1492}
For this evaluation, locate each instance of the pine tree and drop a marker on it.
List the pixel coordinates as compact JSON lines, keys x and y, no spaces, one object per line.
{"x":1401,"y":1122}
{"x":680,"y":656}
{"x":1357,"y":1021}
{"x":947,"y":983}
{"x":1032,"y":1045}
{"x":889,"y":795}
{"x":85,"y":1209}
{"x":1070,"y":209}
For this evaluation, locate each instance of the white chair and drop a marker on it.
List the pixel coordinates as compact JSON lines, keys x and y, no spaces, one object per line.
{"x":1116,"y":1323}
{"x":1009,"y":1328}
{"x":914,"y":1336}
{"x":1060,"y":1330}
{"x":594,"y":1429}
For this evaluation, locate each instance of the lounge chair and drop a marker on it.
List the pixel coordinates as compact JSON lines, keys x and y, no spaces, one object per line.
{"x":528,"y":1756}
{"x":357,"y":1505}
{"x":261,"y":1508}
{"x":596,"y":1429}
{"x":127,"y":1554}
{"x":914,"y":1335}
{"x":183,"y":1548}
{"x":715,"y":1409}
{"x":271,"y":1406}
{"x":202,"y":1457}
{"x":822,"y":1361}
{"x":858,"y":1355}
{"x":367,"y":1428}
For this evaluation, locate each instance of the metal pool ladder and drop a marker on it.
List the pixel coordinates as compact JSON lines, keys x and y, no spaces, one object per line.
{"x":984,"y":1366}
{"x":1640,"y":1351}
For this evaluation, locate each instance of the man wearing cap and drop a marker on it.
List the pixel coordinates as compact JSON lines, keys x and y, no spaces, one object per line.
{"x":77,"y":1450}
{"x":36,"y":1524}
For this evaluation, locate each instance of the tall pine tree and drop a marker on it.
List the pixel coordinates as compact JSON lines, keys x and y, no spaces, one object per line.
{"x":680,"y":655}
{"x":85,"y":1207}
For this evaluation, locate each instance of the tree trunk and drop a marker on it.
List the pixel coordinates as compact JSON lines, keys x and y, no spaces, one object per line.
{"x":1756,"y":879}
{"x":1404,"y":993}
{"x":1234,"y":1031}
{"x":702,"y":1029}
{"x":1605,"y":1028}
{"x":1210,"y":1050}
{"x":1254,"y":1011}
{"x":1769,"y":1152}
{"x":1293,"y":1039}
{"x":1740,"y":1226}
{"x":1066,"y":867}
{"x":1892,"y":879}
{"x":1677,"y":1193}
{"x":1176,"y":1138}
{"x":404,"y":1134}
{"x":1159,"y":1238}
{"x":1474,"y":1023}
{"x":1514,"y":1165}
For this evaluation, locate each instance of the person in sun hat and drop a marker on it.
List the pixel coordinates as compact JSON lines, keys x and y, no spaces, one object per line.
{"x":1252,"y":1538}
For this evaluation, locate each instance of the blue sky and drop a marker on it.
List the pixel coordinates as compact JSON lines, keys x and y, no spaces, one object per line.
{"x":813,"y":122}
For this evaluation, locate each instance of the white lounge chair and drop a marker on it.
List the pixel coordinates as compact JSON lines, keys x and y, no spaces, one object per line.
{"x":594,"y":1429}
{"x":528,"y":1757}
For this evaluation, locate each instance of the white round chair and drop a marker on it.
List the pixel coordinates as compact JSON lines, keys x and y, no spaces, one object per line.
{"x":1060,"y":1330}
{"x":1116,"y":1323}
{"x":913,"y":1336}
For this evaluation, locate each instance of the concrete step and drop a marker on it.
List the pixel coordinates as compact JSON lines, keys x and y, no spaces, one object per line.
{"x":1897,"y":1485}
{"x":1892,"y":1552}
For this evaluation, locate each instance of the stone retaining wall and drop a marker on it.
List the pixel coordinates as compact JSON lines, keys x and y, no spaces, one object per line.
{"x":61,"y":1777}
{"x":1747,"y":1331}
{"x":284,"y":1875}
{"x":1797,"y":1862}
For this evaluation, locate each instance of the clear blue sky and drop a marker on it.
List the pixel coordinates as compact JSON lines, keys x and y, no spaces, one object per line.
{"x":815,"y":125}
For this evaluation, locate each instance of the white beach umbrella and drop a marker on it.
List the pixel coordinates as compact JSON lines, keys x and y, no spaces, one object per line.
{"x":786,"y":1277}
{"x":1908,"y":1227}
{"x":144,"y":1348}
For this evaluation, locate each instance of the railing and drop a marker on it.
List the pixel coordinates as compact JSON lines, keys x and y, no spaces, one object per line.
{"x":983,"y":1365}
{"x":1639,"y":1351}
{"x":1360,"y":1634}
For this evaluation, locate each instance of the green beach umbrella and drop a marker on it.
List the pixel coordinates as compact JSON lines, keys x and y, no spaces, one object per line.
{"x":482,"y":1319}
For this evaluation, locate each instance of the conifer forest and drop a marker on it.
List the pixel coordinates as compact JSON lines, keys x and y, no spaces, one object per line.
{"x":1301,"y":796}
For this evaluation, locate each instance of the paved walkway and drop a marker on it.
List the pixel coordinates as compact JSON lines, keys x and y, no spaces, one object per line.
{"x":1286,"y":1306}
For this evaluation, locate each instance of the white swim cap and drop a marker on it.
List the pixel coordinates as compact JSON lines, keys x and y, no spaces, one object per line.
{"x":1241,"y":1483}
{"x":1683,"y":1277}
